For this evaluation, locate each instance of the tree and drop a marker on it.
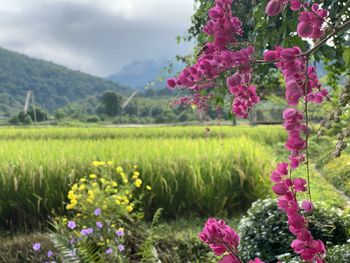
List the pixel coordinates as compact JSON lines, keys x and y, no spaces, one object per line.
{"x":226,"y":56}
{"x":111,"y":104}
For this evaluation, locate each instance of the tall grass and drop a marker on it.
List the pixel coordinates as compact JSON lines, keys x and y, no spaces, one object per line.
{"x":188,"y":176}
{"x":263,"y":134}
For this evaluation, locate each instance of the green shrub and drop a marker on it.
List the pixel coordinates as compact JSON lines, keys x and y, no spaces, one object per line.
{"x":264,"y":231}
{"x":93,"y":119}
{"x":339,"y":254}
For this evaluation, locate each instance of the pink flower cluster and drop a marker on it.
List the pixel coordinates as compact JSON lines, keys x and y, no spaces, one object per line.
{"x":245,"y":94}
{"x":232,"y":259}
{"x":293,"y":123}
{"x":292,"y":65}
{"x":305,"y":245}
{"x":221,"y":239}
{"x":310,"y":21}
{"x":218,"y":57}
{"x":219,"y":236}
{"x":222,"y":24}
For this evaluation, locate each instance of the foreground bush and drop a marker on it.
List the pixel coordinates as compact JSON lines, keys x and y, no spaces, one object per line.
{"x":264,"y":230}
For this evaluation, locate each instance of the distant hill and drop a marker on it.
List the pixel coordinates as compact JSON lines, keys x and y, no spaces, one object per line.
{"x":139,"y":73}
{"x":54,"y":86}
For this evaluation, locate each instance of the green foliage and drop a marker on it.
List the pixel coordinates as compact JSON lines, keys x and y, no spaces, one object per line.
{"x":264,"y":230}
{"x":339,"y":253}
{"x":111,"y":104}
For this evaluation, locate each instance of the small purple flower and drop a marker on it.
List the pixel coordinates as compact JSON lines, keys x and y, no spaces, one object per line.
{"x":49,"y":253}
{"x":87,"y":231}
{"x":97,"y":211}
{"x":121,"y":248}
{"x":99,"y":225}
{"x":119,"y":233}
{"x":37,"y":246}
{"x":109,"y":251}
{"x":72,"y":241}
{"x":71,"y":225}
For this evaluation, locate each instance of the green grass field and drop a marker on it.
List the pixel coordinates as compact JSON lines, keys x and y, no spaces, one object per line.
{"x":193,"y":171}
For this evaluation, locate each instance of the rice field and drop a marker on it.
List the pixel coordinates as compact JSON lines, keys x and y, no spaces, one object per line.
{"x":192,"y":171}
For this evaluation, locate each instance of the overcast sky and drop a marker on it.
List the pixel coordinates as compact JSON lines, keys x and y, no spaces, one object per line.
{"x":95,"y":36}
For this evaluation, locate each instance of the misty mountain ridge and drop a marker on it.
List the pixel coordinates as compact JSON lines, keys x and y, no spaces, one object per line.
{"x":54,"y":86}
{"x":138,"y":74}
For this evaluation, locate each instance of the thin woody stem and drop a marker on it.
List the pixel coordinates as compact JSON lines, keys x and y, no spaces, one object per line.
{"x":307,"y":125}
{"x":232,"y":251}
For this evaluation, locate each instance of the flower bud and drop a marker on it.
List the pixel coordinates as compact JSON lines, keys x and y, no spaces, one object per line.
{"x":274,"y":7}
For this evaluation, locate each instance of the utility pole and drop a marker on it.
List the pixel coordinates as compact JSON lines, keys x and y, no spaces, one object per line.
{"x":30,"y":93}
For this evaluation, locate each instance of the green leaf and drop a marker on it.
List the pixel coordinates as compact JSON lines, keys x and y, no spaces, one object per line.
{"x":346,"y":56}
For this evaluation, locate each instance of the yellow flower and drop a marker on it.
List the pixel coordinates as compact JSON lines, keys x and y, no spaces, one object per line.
{"x":64,"y":220}
{"x":110,"y":163}
{"x":136,"y":173}
{"x":125,"y":181}
{"x":114,"y":184}
{"x":129,"y":208}
{"x":82,"y":180}
{"x":135,"y":166}
{"x":148,"y":188}
{"x":82,"y":187}
{"x":97,"y":163}
{"x":103,"y":181}
{"x":74,"y":187}
{"x":93,"y":176}
{"x":70,"y":206}
{"x":94,"y":184}
{"x":138,"y":183}
{"x":119,"y":169}
{"x":117,"y":202}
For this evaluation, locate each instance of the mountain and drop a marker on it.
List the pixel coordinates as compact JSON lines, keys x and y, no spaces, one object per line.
{"x":140,"y":73}
{"x":53,"y":85}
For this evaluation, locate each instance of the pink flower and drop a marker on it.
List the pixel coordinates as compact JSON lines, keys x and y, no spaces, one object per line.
{"x":274,"y":7}
{"x":256,"y":260}
{"x":307,"y":206}
{"x":229,"y":259}
{"x":171,"y":83}
{"x":270,"y":55}
{"x":304,"y":29}
{"x":217,"y":235}
{"x":299,"y":184}
{"x":280,"y":188}
{"x":295,"y":5}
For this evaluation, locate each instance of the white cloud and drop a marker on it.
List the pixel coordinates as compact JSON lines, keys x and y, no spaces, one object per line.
{"x":97,"y":37}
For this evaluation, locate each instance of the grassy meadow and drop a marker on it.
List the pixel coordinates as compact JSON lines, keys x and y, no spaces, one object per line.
{"x":192,"y":171}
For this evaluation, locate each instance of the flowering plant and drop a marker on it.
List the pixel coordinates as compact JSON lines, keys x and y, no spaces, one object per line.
{"x":225,"y":54}
{"x":103,"y":206}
